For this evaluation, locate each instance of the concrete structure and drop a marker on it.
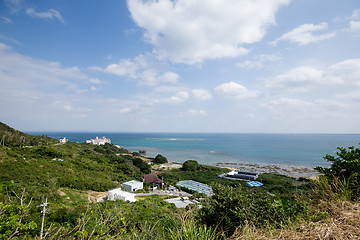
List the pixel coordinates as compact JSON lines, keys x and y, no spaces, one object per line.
{"x":240,"y":175}
{"x":118,"y":194}
{"x":99,"y":141}
{"x":183,"y":202}
{"x":133,"y":185}
{"x":63,"y":140}
{"x":196,"y":186}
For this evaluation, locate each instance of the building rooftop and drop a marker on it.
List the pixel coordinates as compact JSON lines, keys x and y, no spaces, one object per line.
{"x":196,"y":186}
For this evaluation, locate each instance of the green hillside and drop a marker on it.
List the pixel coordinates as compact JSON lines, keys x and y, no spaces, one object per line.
{"x":40,"y":161}
{"x":35,"y":169}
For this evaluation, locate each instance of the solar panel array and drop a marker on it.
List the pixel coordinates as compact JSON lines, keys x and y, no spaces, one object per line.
{"x":196,"y":186}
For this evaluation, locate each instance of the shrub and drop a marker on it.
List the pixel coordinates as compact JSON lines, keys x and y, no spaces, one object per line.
{"x":160,"y":159}
{"x":190,"y":165}
{"x":345,"y":168}
{"x":231,"y":208}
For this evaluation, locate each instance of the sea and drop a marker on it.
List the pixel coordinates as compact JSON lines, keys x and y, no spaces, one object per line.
{"x":228,"y":149}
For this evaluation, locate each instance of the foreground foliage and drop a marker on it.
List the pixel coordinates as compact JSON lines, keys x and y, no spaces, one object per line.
{"x":231,"y":208}
{"x":344,"y":172}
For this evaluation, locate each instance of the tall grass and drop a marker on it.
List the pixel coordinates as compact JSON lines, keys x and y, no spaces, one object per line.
{"x":335,"y":190}
{"x":186,"y":228}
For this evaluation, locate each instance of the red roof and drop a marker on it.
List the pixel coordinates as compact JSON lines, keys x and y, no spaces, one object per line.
{"x":150,"y":178}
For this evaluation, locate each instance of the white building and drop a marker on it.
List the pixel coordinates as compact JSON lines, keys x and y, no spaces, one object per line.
{"x":63,"y":140}
{"x":133,"y":185}
{"x":118,"y":194}
{"x":99,"y":141}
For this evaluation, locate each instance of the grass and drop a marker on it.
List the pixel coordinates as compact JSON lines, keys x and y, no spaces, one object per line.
{"x":74,"y":195}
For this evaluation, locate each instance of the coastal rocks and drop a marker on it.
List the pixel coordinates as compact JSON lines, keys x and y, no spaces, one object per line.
{"x":292,"y":171}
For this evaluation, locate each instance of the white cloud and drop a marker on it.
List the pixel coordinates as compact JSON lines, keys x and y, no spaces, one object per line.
{"x":193,"y":113}
{"x":190,"y":31}
{"x":125,"y":110}
{"x":260,"y":63}
{"x":297,"y":79}
{"x":14,"y":5}
{"x":5,"y":20}
{"x":354,"y":25}
{"x":49,"y":14}
{"x":292,"y":102}
{"x":235,"y":90}
{"x":96,"y":81}
{"x":347,"y":72}
{"x":179,"y":97}
{"x":356,"y":14}
{"x":143,"y":69}
{"x":201,"y":94}
{"x":123,"y":68}
{"x":343,"y":75}
{"x":304,"y":34}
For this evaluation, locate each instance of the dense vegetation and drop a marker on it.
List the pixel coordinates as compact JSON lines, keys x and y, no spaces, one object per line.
{"x":159,"y":159}
{"x":35,"y":168}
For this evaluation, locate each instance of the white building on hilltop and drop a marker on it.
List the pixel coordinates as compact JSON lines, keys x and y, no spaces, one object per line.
{"x":133,"y":185}
{"x":118,"y":194}
{"x":63,"y":140}
{"x":99,"y":141}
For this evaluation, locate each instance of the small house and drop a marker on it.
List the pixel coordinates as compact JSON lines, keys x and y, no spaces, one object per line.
{"x":151,"y":179}
{"x":133,"y":185}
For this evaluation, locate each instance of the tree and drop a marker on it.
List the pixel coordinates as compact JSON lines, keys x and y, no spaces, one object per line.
{"x":160,"y":159}
{"x":344,"y":167}
{"x":190,"y":165}
{"x":143,"y":166}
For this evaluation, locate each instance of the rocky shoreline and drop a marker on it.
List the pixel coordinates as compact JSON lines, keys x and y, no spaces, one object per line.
{"x":292,"y":171}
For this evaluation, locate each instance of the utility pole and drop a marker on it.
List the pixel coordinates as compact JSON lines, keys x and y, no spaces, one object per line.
{"x":3,"y":139}
{"x":43,"y":217}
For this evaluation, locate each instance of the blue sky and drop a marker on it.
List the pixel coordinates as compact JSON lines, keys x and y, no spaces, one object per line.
{"x":269,"y":66}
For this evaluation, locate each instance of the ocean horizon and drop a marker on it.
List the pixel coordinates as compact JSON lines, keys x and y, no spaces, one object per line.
{"x":227,"y":149}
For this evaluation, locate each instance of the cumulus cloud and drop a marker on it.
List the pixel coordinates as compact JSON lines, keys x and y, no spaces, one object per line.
{"x":188,"y":31}
{"x":193,"y":113}
{"x":297,"y":103}
{"x":235,"y":90}
{"x":260,"y":62}
{"x":144,"y":70}
{"x":296,"y":79}
{"x":347,"y":71}
{"x":179,"y":97}
{"x":354,"y":25}
{"x":304,"y":34}
{"x":49,"y":14}
{"x":306,"y":78}
{"x":201,"y":94}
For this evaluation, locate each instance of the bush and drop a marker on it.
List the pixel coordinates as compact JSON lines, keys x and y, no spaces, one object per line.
{"x":344,"y":168}
{"x":190,"y":165}
{"x":160,"y":159}
{"x":231,"y":208}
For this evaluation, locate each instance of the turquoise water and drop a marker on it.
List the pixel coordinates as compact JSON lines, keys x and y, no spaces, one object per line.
{"x":207,"y":148}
